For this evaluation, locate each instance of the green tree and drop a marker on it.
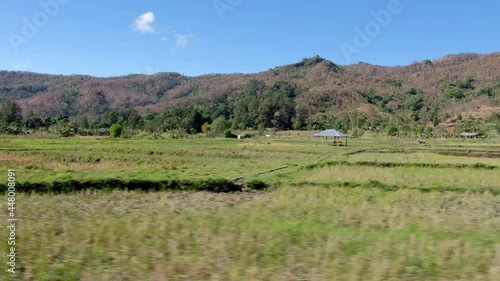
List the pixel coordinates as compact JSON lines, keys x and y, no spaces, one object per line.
{"x":487,"y":91}
{"x":435,"y":119}
{"x":454,"y":92}
{"x":393,"y":129}
{"x":277,"y":108}
{"x":219,"y":125}
{"x":467,"y":83}
{"x":356,"y":119}
{"x":82,"y":122}
{"x":228,"y":134}
{"x":206,"y":128}
{"x":301,"y":115}
{"x":115,"y":131}
{"x":357,"y":132}
{"x":68,"y":99}
{"x":261,"y":128}
{"x":412,"y":91}
{"x":397,"y":84}
{"x":134,"y":119}
{"x":33,"y":122}
{"x":47,"y":122}
{"x":67,"y":129}
{"x":10,"y":113}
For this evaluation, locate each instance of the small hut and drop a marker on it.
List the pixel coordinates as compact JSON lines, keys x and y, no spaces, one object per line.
{"x":470,"y":135}
{"x":332,"y":133}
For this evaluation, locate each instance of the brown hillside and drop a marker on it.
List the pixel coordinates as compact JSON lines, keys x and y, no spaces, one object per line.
{"x":327,"y":87}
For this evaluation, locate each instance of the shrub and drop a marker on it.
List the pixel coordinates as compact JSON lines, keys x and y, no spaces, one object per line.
{"x":66,"y":131}
{"x":357,"y":132}
{"x":205,"y":128}
{"x":392,"y":130}
{"x":454,"y":92}
{"x":487,"y":91}
{"x":115,"y":131}
{"x":257,"y":185}
{"x":229,"y":134}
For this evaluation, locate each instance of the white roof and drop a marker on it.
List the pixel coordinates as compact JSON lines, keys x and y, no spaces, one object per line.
{"x":470,"y":134}
{"x":330,"y":133}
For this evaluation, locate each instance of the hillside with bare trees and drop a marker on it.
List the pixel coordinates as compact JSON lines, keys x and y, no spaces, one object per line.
{"x":312,"y":91}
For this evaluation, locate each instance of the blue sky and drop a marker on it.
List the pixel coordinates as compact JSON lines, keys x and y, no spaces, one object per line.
{"x":193,"y":37}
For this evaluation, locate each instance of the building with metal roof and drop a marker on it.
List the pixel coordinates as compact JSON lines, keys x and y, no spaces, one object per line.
{"x":470,"y":135}
{"x":332,"y":133}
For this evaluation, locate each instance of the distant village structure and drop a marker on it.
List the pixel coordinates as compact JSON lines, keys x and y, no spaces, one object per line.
{"x":470,"y":135}
{"x":335,"y":134}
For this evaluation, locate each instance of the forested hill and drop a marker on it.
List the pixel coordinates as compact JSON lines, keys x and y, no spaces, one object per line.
{"x":313,"y":91}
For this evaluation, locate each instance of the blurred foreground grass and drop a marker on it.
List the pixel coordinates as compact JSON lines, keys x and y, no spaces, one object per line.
{"x":289,"y":233}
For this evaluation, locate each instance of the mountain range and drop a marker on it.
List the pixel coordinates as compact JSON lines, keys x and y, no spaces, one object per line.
{"x":466,"y":84}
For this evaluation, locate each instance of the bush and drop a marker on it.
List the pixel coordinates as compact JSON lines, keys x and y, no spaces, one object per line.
{"x":454,"y":93}
{"x":357,"y":132}
{"x":115,"y":131}
{"x":229,"y":134}
{"x":497,"y":127}
{"x":487,"y":91}
{"x":67,"y":131}
{"x":392,"y":130}
{"x":205,"y":128}
{"x":257,"y":185}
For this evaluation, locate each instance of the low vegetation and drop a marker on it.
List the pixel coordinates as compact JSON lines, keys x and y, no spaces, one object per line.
{"x":284,"y":208}
{"x":167,"y":177}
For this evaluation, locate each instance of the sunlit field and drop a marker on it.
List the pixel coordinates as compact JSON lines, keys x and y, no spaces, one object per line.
{"x":379,"y":209}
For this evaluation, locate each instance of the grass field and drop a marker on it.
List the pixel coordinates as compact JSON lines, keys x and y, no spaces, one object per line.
{"x":379,"y":209}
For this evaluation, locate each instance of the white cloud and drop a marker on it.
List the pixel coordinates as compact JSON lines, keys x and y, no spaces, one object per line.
{"x":21,"y":66}
{"x":183,"y":40}
{"x":144,"y":23}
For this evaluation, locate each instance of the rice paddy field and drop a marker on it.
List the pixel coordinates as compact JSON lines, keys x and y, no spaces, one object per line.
{"x":378,"y":209}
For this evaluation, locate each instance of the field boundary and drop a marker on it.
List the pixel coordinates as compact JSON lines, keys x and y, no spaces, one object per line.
{"x":261,"y":173}
{"x":393,"y":187}
{"x":69,"y":186}
{"x":401,"y":165}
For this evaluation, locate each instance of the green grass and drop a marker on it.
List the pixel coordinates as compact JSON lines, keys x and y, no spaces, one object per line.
{"x":379,"y":209}
{"x":48,"y":160}
{"x":422,"y":157}
{"x":407,"y":176}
